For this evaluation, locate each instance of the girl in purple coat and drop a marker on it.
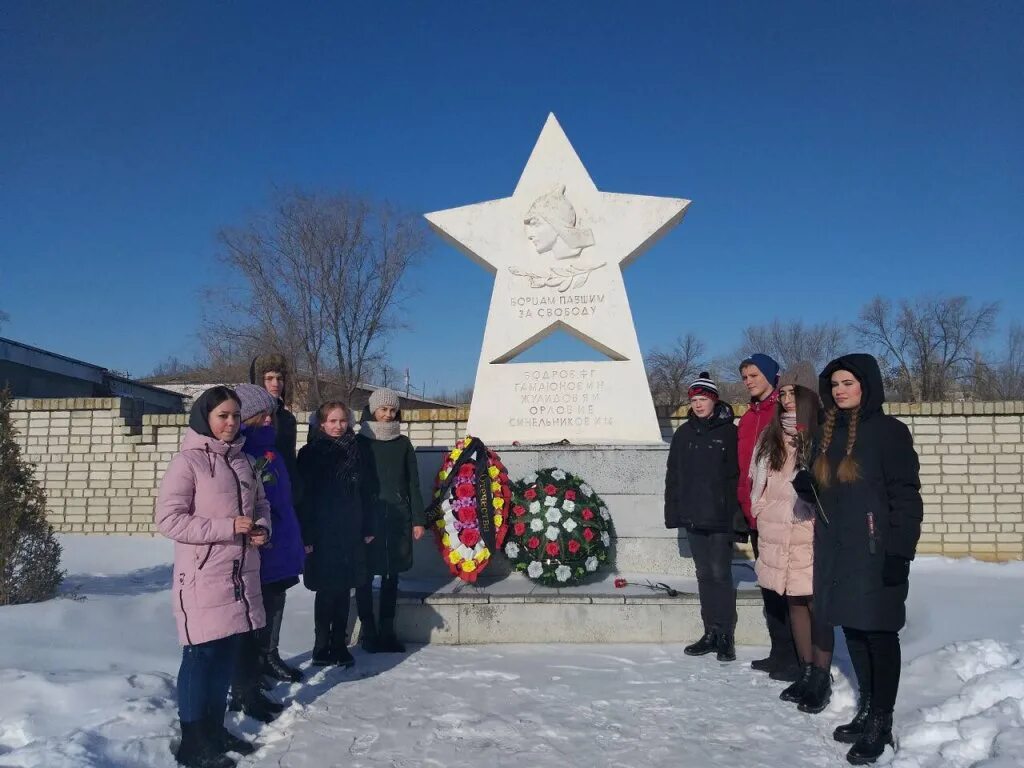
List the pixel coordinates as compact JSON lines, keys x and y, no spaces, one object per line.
{"x":212,"y":505}
{"x":280,"y":563}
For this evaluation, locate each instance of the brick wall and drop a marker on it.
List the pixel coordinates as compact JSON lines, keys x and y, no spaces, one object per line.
{"x":100,"y":461}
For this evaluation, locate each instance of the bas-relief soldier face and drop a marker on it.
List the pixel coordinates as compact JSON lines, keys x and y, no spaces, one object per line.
{"x":540,"y":233}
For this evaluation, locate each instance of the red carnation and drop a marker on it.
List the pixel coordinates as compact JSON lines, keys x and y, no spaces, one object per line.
{"x":552,"y":548}
{"x":519,"y":528}
{"x":588,"y":514}
{"x":467,"y":515}
{"x":588,"y":533}
{"x":518,"y":510}
{"x":269,"y":455}
{"x":530,"y":494}
{"x":574,"y":546}
{"x":550,"y":490}
{"x":469,"y":537}
{"x":533,"y":543}
{"x":465,"y":490}
{"x":466,"y":470}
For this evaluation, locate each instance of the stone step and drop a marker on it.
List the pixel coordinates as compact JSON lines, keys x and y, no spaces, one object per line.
{"x":515,"y":610}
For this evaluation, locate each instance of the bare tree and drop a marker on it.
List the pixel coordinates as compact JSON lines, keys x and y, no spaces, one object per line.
{"x":791,"y":342}
{"x":927,"y":345}
{"x":1004,"y":378}
{"x":4,"y":317}
{"x":670,"y":371}
{"x":320,"y":280}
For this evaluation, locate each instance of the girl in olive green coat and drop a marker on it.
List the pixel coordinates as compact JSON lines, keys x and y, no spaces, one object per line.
{"x":393,"y":485}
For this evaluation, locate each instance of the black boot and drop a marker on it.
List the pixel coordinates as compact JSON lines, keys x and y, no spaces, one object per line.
{"x":707,"y":644}
{"x":196,"y":749}
{"x":387,"y":640}
{"x":257,"y":706}
{"x":726,"y":647}
{"x":851,"y":731}
{"x":795,"y":692}
{"x":224,"y":740}
{"x":872,"y":742}
{"x":817,"y":692}
{"x":787,"y":671}
{"x":274,"y":666}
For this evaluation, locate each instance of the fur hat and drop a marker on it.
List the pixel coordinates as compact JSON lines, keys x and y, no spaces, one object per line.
{"x":383,"y":398}
{"x":261,"y":364}
{"x":255,"y":399}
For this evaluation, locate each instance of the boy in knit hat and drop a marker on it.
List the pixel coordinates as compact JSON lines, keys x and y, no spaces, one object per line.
{"x":700,"y":496}
{"x":270,"y":371}
{"x":760,"y":374}
{"x":392,"y":486}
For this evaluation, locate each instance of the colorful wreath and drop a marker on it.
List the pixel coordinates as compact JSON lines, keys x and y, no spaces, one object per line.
{"x":471,"y":498}
{"x":561,"y":530}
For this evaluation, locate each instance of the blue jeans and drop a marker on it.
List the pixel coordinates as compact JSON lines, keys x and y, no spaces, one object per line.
{"x":204,"y":678}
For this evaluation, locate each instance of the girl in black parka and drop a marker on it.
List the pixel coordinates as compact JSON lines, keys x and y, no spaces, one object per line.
{"x":392,"y":487}
{"x":336,"y":523}
{"x":867,"y":478}
{"x":700,"y":496}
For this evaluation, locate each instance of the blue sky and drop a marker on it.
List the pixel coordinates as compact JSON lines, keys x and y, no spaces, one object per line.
{"x":833,"y":151}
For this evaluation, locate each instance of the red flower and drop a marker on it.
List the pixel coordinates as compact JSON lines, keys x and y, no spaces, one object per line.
{"x":466,"y":470}
{"x":550,"y":490}
{"x":533,"y":543}
{"x":574,"y":546}
{"x":467,"y":515}
{"x":469,"y":536}
{"x":570,"y":495}
{"x":465,"y":490}
{"x":588,"y":533}
{"x":530,"y":494}
{"x":519,"y":528}
{"x":269,"y":455}
{"x":518,"y":510}
{"x":588,"y":514}
{"x":552,"y":548}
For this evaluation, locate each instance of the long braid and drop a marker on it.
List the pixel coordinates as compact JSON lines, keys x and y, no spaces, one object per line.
{"x":822,"y":471}
{"x":849,"y":471}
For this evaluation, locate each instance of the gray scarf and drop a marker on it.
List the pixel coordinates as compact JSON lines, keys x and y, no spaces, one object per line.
{"x":381,"y":430}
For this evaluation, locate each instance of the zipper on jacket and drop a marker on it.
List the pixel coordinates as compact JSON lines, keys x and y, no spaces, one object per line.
{"x":209,"y":551}
{"x":241,"y":562}
{"x":181,"y":602}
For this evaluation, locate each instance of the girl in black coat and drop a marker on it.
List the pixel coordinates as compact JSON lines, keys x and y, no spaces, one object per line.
{"x":700,"y":496}
{"x":867,"y":477}
{"x":336,"y":524}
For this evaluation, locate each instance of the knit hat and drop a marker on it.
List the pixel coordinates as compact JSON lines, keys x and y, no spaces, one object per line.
{"x":799,"y":375}
{"x":383,"y":398}
{"x":765,"y":365}
{"x":704,"y":386}
{"x":255,"y":399}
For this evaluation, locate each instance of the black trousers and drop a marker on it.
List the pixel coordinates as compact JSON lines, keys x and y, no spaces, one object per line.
{"x":776,"y":616}
{"x":712,"y":556}
{"x":388,"y":601}
{"x":273,"y":605}
{"x":330,"y":618}
{"x":876,"y":659}
{"x":246,"y":677}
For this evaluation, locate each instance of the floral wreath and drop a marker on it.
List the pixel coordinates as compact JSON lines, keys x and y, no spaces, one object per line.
{"x":471,"y":496}
{"x":561,"y":529}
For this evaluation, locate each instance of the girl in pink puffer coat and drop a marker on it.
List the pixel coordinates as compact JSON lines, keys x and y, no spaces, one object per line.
{"x":785,"y":524}
{"x":212,"y":504}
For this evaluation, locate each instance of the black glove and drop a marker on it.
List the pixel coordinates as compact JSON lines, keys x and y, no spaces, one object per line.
{"x":803,"y":484}
{"x":895,"y":570}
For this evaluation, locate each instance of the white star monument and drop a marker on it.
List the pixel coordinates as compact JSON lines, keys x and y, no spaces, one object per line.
{"x":557,"y":248}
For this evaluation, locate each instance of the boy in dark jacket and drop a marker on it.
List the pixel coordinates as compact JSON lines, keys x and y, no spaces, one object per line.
{"x":270,"y":371}
{"x":700,"y":496}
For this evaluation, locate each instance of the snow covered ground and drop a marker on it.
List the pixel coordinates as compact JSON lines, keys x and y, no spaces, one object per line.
{"x":90,"y":682}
